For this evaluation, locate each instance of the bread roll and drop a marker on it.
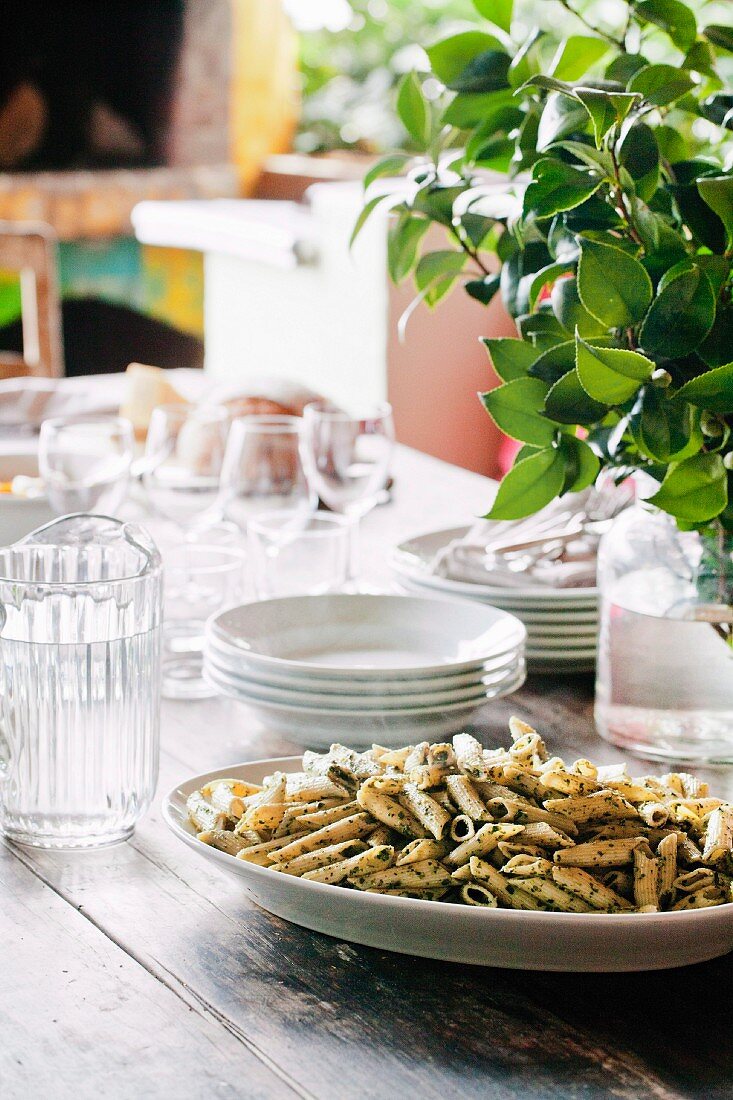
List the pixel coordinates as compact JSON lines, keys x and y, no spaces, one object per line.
{"x":145,"y":388}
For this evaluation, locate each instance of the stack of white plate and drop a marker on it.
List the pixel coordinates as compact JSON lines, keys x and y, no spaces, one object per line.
{"x":360,"y":669}
{"x":562,"y":623}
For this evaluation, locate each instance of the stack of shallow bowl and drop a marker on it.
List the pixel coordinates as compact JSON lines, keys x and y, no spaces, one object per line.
{"x":360,"y":669}
{"x":562,"y":623}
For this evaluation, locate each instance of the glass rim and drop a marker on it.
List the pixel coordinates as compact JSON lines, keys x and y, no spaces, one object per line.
{"x":270,"y":422}
{"x":369,"y":411}
{"x":122,"y":423}
{"x":334,"y":521}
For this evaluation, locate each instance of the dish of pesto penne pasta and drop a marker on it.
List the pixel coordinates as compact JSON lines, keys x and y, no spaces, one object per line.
{"x":510,"y":828}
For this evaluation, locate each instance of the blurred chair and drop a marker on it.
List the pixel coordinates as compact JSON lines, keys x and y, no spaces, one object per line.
{"x":29,"y":248}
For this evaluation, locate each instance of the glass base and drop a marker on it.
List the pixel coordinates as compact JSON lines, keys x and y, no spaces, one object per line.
{"x":67,"y":844}
{"x":183,"y":642}
{"x":687,"y":737}
{"x":183,"y":678}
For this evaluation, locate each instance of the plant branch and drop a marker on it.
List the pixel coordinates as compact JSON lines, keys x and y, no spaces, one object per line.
{"x":622,"y":206}
{"x":596,"y":30}
{"x":472,"y":252}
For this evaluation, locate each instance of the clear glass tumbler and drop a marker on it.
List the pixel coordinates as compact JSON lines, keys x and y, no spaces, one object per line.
{"x":201,"y":578}
{"x":80,"y":636}
{"x":292,"y":554}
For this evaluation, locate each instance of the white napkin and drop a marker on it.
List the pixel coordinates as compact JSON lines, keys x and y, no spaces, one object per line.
{"x":476,"y":558}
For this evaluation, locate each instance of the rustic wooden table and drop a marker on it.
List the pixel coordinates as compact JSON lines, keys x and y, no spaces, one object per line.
{"x":140,"y":971}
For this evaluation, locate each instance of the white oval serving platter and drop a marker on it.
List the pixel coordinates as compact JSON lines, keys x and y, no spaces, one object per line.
{"x":578,"y":942}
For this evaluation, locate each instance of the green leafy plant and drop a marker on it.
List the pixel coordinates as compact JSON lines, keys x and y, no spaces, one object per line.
{"x":610,"y":238}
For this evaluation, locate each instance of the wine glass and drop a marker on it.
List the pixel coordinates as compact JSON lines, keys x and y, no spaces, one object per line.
{"x":180,"y":472}
{"x":348,"y":456}
{"x":85,"y":462}
{"x":264,"y":470}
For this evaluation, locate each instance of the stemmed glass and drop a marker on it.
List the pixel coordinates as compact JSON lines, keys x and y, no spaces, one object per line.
{"x":85,"y":462}
{"x":264,"y":470}
{"x":181,"y":471}
{"x":347,"y":457}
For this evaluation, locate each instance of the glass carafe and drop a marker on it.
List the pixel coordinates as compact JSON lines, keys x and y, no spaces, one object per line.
{"x":80,"y":615}
{"x":664,"y":686}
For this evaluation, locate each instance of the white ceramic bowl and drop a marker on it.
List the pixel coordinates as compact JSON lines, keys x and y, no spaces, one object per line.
{"x":367,"y":637}
{"x":318,"y":727}
{"x":235,"y":663}
{"x":18,"y":516}
{"x":358,"y":701}
{"x":462,"y":933}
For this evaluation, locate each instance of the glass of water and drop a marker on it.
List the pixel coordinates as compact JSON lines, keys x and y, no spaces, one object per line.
{"x":81,"y":612}
{"x":85,"y":462}
{"x":293,"y":554}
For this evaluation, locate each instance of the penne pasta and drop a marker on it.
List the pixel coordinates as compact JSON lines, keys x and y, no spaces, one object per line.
{"x":491,"y":828}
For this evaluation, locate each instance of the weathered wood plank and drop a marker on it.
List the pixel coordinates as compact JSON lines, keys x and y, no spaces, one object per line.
{"x":79,"y":1018}
{"x":347,"y":1020}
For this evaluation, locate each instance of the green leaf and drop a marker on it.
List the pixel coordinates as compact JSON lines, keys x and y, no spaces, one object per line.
{"x":613,"y":287}
{"x":560,"y":117}
{"x":548,"y":84}
{"x":554,"y":362}
{"x":449,"y":56}
{"x":570,"y":311}
{"x":467,"y":109}
{"x":387,"y":166}
{"x":499,"y":121}
{"x":498,"y":12}
{"x":680,"y":317}
{"x":712,"y":391}
{"x":543,"y":329}
{"x":715,"y":349}
{"x":623,"y":67}
{"x":611,"y":375}
{"x":701,"y":59}
{"x":694,"y":490}
{"x":661,"y":84}
{"x":576,"y":55}
{"x":717,"y":192}
{"x":510,"y":358}
{"x":720,"y":36}
{"x":413,"y":108}
{"x":367,"y":210}
{"x":436,"y":273}
{"x":581,"y":464}
{"x":529,"y":485}
{"x":588,"y":154}
{"x":516,"y":408}
{"x":436,"y":201}
{"x":605,"y":109}
{"x":639,"y":155}
{"x":674,"y":17}
{"x":483,"y":290}
{"x":557,"y":186}
{"x":547,"y":277}
{"x":485,"y":73}
{"x":665,"y":430}
{"x":403,"y":240}
{"x":568,"y":403}
{"x":523,"y":262}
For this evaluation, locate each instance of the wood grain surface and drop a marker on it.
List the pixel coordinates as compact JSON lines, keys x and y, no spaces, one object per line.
{"x":141,"y":971}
